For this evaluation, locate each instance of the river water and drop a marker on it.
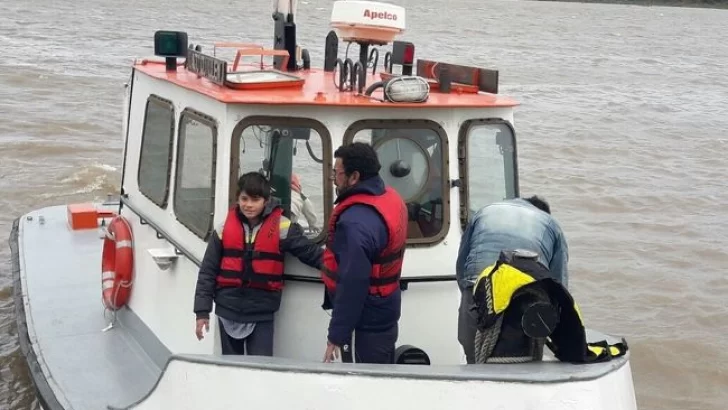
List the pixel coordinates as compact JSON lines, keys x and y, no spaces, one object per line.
{"x":623,"y":127}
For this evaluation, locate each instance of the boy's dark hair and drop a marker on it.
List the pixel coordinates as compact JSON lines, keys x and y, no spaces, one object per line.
{"x":539,"y":203}
{"x":359,"y":156}
{"x":254,"y":184}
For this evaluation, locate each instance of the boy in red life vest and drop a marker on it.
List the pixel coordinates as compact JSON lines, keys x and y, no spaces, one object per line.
{"x":242,"y":270}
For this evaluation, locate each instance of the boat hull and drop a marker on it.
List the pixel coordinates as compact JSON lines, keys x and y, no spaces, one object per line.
{"x":194,"y":382}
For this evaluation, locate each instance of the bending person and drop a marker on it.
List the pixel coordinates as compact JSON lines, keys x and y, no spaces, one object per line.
{"x":508,"y":225}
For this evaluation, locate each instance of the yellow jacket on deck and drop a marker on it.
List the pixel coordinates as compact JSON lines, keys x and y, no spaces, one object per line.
{"x":511,"y":276}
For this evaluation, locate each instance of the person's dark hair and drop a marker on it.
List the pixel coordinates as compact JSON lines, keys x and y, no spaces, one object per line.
{"x":539,"y":203}
{"x":254,"y":184}
{"x":359,"y":156}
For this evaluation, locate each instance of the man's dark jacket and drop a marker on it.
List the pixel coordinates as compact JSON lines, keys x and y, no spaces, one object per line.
{"x":360,"y":235}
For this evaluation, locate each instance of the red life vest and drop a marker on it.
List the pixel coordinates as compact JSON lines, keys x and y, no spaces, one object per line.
{"x":258,"y":265}
{"x":387,"y":266}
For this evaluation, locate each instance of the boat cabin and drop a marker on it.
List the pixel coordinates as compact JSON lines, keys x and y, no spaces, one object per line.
{"x":444,"y":136}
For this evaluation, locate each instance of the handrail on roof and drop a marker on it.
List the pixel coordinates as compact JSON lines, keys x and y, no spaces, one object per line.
{"x":229,"y":44}
{"x":261,"y":52}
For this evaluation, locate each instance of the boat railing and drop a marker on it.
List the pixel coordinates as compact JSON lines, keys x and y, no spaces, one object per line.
{"x":180,"y":250}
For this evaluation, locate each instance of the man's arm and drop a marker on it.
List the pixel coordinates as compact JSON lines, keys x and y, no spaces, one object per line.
{"x":460,"y":271}
{"x":354,"y":246}
{"x":207,"y":277}
{"x":297,"y":244}
{"x":560,"y":260}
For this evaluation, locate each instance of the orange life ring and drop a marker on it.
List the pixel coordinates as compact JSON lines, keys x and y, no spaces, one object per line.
{"x":117,"y":264}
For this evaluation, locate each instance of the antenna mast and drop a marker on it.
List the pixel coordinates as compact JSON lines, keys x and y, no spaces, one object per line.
{"x":284,"y":35}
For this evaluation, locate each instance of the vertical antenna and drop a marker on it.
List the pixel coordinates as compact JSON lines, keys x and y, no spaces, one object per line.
{"x":284,"y":35}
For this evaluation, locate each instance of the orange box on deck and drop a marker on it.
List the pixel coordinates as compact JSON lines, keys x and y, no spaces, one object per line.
{"x":82,"y":216}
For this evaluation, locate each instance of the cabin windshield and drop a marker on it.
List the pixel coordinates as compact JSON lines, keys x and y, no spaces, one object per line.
{"x":413,"y":155}
{"x":488,"y":166}
{"x":294,"y":154}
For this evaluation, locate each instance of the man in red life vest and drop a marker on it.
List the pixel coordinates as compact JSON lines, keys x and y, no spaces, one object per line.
{"x":243,"y":269}
{"x":367,"y":234}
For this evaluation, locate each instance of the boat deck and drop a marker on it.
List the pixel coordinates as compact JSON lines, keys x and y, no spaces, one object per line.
{"x":73,"y":363}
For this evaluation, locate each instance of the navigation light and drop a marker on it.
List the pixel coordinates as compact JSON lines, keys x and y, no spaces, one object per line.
{"x":170,"y":45}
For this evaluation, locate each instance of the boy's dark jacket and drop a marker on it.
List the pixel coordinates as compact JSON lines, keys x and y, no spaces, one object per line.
{"x":246,"y":304}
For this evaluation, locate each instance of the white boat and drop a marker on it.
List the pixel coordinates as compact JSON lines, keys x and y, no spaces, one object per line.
{"x":104,"y":291}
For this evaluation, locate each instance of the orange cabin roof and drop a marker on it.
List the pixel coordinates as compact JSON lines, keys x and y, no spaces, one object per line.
{"x":318,"y":89}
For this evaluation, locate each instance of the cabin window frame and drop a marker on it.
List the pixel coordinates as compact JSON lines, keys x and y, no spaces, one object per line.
{"x":367,"y":124}
{"x":288,"y":121}
{"x":155,"y":99}
{"x":212,"y":123}
{"x":463,"y":161}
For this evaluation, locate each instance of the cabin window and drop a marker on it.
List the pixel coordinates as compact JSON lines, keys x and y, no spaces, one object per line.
{"x":488,"y":166}
{"x":295,"y":154}
{"x":413,"y":155}
{"x":155,"y":157}
{"x":194,"y":192}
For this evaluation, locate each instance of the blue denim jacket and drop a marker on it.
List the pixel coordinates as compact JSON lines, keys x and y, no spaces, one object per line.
{"x":512,"y":224}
